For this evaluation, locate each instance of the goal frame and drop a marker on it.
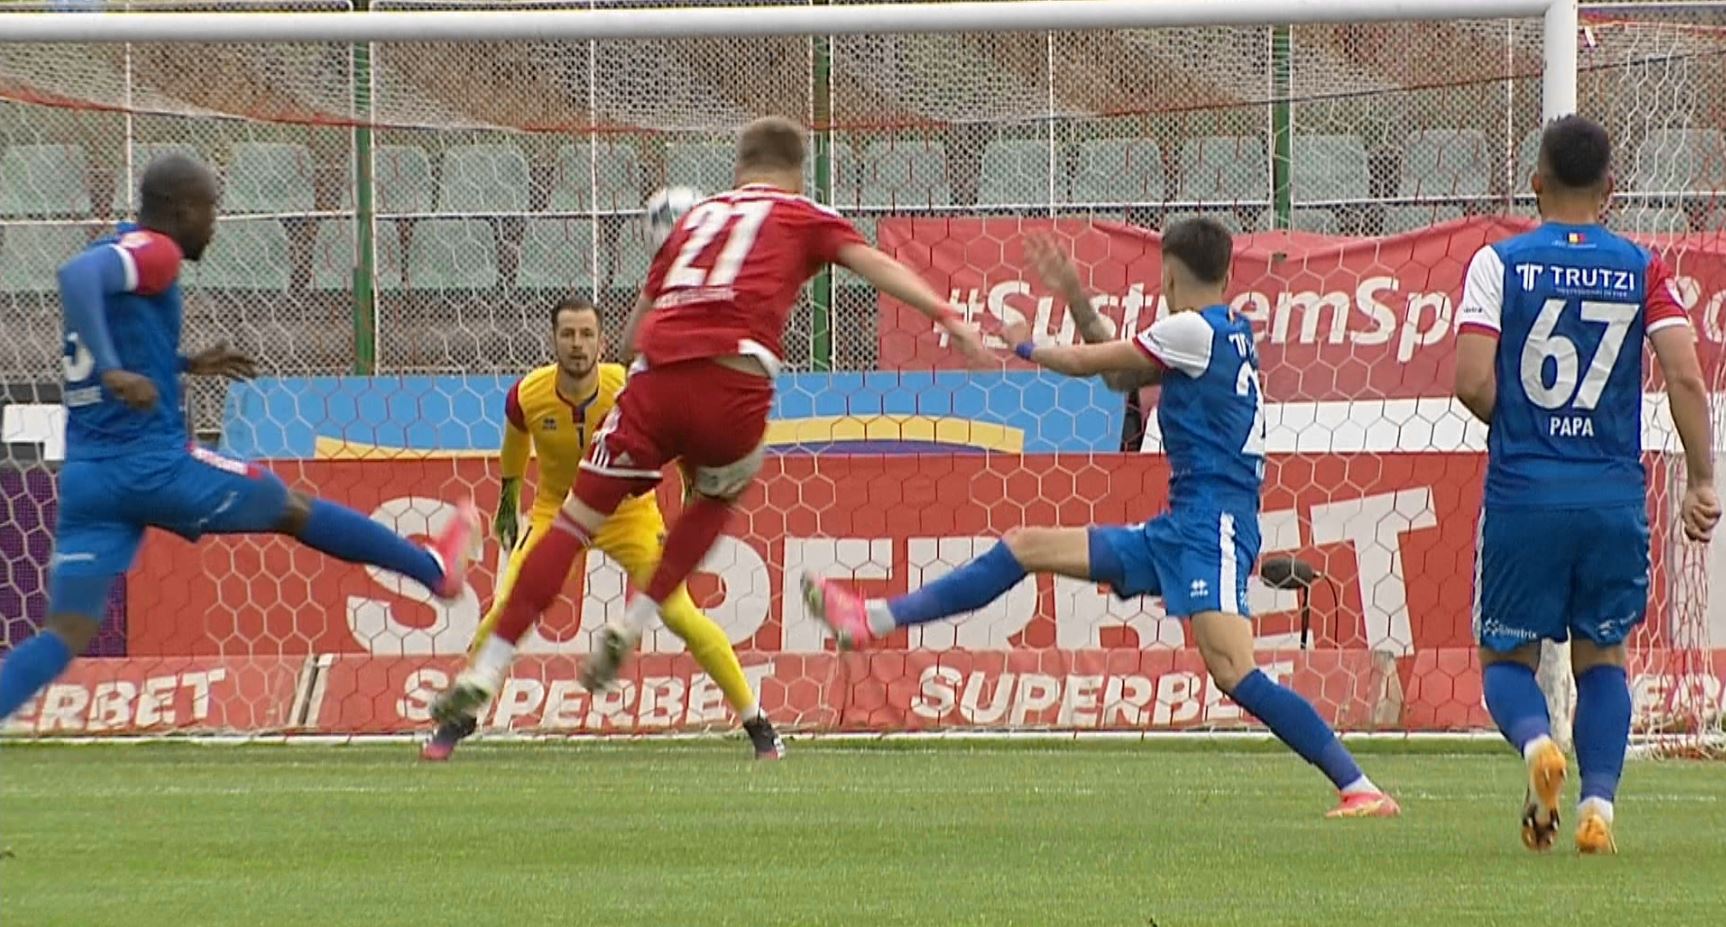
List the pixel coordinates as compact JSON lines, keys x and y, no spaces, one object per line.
{"x":1559,"y":78}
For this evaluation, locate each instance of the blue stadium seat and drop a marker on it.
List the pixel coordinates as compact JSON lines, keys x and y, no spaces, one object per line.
{"x":1014,"y":172}
{"x":1329,"y":167}
{"x":904,"y":174}
{"x":269,"y":177}
{"x":1398,"y":219}
{"x":483,"y":179}
{"x":452,"y":254}
{"x":707,"y":166}
{"x":1225,"y":169}
{"x":607,"y":178}
{"x":31,"y":255}
{"x":1680,"y":161}
{"x":556,"y":254}
{"x":43,"y":180}
{"x":333,"y":255}
{"x":1117,"y":170}
{"x":1439,"y":163}
{"x":246,"y":254}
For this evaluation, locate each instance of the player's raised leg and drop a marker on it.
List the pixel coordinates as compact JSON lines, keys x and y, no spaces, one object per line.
{"x":93,"y":544}
{"x":721,"y":445}
{"x":633,"y":540}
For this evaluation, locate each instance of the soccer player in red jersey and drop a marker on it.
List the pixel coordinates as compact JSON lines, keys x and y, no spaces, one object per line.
{"x":706,"y":333}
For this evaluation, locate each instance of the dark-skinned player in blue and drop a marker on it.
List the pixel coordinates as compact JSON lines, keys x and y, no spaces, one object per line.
{"x":129,"y":462}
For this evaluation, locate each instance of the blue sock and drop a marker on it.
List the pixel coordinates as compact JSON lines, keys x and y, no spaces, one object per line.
{"x":966,"y":589}
{"x":1516,"y":702}
{"x":30,"y":666}
{"x":1297,"y":723}
{"x":347,"y":535}
{"x":1602,"y":729}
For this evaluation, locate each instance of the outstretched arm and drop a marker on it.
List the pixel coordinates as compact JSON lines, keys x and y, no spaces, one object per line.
{"x":1058,"y":274}
{"x":1115,"y":358}
{"x":1674,"y":344}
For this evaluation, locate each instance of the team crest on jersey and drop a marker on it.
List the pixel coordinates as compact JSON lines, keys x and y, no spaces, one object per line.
{"x":135,"y":240}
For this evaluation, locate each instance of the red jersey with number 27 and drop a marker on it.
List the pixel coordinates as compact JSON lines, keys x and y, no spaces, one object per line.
{"x":725,"y":280}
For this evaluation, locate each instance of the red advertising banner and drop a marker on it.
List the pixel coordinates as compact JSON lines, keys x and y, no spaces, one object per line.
{"x":120,"y":695}
{"x":1337,"y":318}
{"x":1394,"y":534}
{"x":878,"y":690}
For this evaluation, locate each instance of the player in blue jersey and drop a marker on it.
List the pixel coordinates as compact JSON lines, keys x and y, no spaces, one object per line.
{"x":129,"y":462}
{"x":1549,"y":356}
{"x":1197,"y":557}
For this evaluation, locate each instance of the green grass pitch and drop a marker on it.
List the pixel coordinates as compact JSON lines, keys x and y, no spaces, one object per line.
{"x":842,"y":832}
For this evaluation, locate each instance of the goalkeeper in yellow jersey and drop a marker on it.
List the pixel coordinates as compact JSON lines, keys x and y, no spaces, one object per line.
{"x":556,"y":409}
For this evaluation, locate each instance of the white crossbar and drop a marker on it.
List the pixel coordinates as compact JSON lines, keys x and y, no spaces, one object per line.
{"x":693,"y":22}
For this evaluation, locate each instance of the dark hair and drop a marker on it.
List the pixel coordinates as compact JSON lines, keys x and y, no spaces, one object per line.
{"x":571,"y":304}
{"x":771,"y":143}
{"x":1202,"y":246}
{"x":168,"y":180}
{"x":1575,"y":152}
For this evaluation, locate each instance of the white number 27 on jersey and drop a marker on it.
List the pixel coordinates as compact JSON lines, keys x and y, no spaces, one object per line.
{"x":705,"y":223}
{"x":1545,"y":343}
{"x":1247,"y":384}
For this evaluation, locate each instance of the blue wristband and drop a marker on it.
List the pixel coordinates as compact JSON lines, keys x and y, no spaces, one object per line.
{"x":1024,"y":349}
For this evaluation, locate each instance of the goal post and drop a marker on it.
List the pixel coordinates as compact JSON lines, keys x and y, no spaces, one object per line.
{"x":409,"y":188}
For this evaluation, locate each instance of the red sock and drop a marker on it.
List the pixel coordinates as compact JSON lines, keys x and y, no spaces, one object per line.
{"x":541,"y":578}
{"x":689,"y":541}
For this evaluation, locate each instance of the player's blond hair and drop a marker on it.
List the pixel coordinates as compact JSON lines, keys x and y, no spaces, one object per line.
{"x":771,"y":143}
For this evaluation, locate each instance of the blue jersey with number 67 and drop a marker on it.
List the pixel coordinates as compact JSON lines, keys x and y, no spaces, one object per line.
{"x":1571,"y":306}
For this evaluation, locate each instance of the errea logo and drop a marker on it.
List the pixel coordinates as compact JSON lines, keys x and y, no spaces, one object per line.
{"x":1199,"y":588}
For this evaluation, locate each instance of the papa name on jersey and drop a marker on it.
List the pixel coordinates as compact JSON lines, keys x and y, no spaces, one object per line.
{"x":1570,"y":426}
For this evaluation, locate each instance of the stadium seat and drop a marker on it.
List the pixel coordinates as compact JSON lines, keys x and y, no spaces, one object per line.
{"x":1328,"y":168}
{"x":483,"y":179}
{"x":556,"y":254}
{"x":1680,"y":161}
{"x":142,"y":154}
{"x":1398,"y":219}
{"x":1301,"y":219}
{"x":615,"y":167}
{"x":43,"y":180}
{"x":1015,"y":172}
{"x":247,"y":254}
{"x":31,"y":255}
{"x":452,"y":254}
{"x":1439,"y":163}
{"x":707,"y":166}
{"x":1229,"y":219}
{"x":401,"y":180}
{"x":333,"y":255}
{"x":1714,"y":217}
{"x":1649,"y":220}
{"x":1117,"y":170}
{"x":1225,"y":169}
{"x":268,"y":177}
{"x":846,"y":192}
{"x":633,"y":255}
{"x":843,"y":277}
{"x":1527,"y":160}
{"x":908,"y":173}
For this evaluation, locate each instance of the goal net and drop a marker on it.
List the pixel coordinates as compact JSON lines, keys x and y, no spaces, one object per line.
{"x":398,"y":219}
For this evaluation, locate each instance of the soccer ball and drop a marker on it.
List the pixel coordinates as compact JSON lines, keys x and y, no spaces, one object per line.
{"x":665,"y":207}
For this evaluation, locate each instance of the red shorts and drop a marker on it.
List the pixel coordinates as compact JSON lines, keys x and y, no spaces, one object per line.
{"x":709,"y":415}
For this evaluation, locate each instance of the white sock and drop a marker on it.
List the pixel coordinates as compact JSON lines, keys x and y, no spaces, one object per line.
{"x":750,"y":713}
{"x":1598,"y":806}
{"x":640,"y":613}
{"x":881,"y":621}
{"x":490,"y":665}
{"x":1361,"y":786}
{"x":1534,"y":746}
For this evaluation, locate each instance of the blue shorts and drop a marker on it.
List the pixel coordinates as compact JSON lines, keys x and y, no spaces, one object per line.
{"x":1542,"y":574}
{"x":1198,"y":561}
{"x":105,"y":505}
